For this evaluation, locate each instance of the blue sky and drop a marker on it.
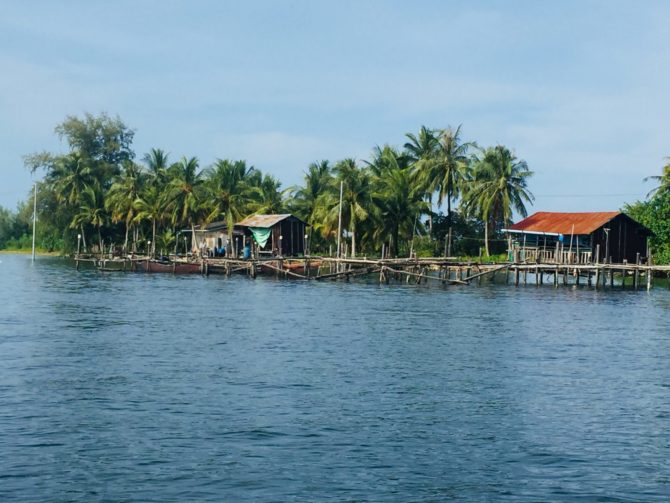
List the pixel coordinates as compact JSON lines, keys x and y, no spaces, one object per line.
{"x":577,"y":89}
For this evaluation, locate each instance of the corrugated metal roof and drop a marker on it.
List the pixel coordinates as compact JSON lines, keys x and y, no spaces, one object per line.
{"x":263,"y":220}
{"x":562,"y":223}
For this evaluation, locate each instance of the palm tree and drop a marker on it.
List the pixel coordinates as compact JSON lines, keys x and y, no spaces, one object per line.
{"x":91,"y":211}
{"x":186,"y":194}
{"x":157,"y":164}
{"x":123,"y":193}
{"x":385,"y":159}
{"x":499,"y":186}
{"x":267,"y":196}
{"x":663,"y":181}
{"x":355,"y":197}
{"x":69,"y":177}
{"x":422,"y":153}
{"x":229,"y":192}
{"x":317,"y":180}
{"x":399,"y":202}
{"x":452,"y":166}
{"x":150,"y":206}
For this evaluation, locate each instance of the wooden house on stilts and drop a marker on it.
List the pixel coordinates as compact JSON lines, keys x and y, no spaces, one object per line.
{"x":577,"y":238}
{"x":275,"y":235}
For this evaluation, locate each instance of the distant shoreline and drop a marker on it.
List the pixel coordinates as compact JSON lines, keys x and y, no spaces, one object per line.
{"x":22,"y":251}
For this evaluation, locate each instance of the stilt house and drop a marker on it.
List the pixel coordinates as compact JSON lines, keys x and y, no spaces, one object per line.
{"x":276,"y":235}
{"x":216,"y":239}
{"x":577,"y":238}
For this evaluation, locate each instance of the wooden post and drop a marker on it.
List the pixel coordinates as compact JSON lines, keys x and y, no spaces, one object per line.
{"x":516,"y":276}
{"x":650,"y":273}
{"x":636,"y":276}
{"x":537,"y":276}
{"x":556,"y":276}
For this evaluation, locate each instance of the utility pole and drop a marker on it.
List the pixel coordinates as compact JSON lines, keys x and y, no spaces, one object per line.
{"x":339,"y":226}
{"x":34,"y":217}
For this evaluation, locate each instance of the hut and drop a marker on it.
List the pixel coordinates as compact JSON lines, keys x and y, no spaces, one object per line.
{"x":276,"y":235}
{"x":575,"y":238}
{"x":215,"y":240}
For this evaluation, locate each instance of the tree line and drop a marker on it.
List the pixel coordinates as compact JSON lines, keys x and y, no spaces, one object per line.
{"x":654,"y":213}
{"x":97,"y":194}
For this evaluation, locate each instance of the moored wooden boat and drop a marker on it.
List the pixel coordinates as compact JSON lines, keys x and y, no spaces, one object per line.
{"x":172,"y":267}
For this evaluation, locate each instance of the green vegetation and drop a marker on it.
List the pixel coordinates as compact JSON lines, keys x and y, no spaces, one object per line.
{"x":654,"y":213}
{"x":96,"y":190}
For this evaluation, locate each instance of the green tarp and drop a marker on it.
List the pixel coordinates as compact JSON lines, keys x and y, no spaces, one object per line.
{"x":261,"y":235}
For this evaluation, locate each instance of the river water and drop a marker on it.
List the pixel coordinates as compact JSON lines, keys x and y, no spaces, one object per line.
{"x":136,"y":387}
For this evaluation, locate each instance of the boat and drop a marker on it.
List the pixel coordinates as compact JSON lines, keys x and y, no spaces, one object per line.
{"x":171,"y":266}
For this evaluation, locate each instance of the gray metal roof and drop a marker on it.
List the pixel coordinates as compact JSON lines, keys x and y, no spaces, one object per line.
{"x":265,"y":220}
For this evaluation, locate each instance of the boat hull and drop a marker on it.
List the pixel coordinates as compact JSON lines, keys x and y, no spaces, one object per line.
{"x":171,"y":267}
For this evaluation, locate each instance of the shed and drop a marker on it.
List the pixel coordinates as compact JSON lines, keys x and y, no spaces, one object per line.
{"x":276,"y":235}
{"x":576,"y":237}
{"x":216,"y":238}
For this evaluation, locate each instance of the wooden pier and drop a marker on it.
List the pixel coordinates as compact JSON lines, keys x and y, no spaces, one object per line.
{"x":440,"y":271}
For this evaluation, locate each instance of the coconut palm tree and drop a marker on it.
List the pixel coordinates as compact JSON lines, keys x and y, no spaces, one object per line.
{"x":499,"y":186}
{"x":399,"y":202}
{"x":91,"y":211}
{"x":123,"y":193}
{"x":422,"y":153}
{"x":186,"y":194}
{"x":229,"y":192}
{"x":356,"y":200}
{"x":452,"y":166}
{"x":317,"y":181}
{"x":151,"y":206}
{"x":267,"y":196}
{"x":663,"y":180}
{"x":157,"y":164}
{"x":69,"y":176}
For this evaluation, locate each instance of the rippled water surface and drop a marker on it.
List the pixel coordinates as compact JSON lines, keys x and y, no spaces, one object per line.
{"x":135,"y":387}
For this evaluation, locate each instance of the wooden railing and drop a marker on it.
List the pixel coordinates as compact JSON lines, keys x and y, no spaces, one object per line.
{"x":544,"y":256}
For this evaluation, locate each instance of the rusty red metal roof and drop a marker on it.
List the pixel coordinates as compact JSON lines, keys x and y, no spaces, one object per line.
{"x":562,"y":223}
{"x":263,"y":220}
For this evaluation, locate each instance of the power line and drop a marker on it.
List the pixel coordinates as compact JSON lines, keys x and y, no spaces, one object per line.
{"x":590,"y":195}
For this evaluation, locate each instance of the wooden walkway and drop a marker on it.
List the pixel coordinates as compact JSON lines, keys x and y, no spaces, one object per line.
{"x":422,"y":270}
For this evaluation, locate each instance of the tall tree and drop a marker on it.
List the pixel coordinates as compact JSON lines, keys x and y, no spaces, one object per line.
{"x":267,"y":196}
{"x":98,"y":146}
{"x":186,"y":194}
{"x":499,"y":187}
{"x":452,"y":166}
{"x":157,"y":163}
{"x":151,"y":205}
{"x":91,"y":211}
{"x":229,"y":185}
{"x":422,"y":152}
{"x":399,"y":203}
{"x":123,"y":193}
{"x":356,"y":198}
{"x":317,"y":181}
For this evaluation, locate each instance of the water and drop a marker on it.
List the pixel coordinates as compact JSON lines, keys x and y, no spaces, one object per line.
{"x":134,"y":387}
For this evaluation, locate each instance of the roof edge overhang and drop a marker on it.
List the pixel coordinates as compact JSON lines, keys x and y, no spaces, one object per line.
{"x":537,"y":233}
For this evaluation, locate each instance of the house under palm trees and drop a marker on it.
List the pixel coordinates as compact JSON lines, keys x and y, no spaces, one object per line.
{"x":215,"y":239}
{"x":276,"y":235}
{"x":584,"y":237}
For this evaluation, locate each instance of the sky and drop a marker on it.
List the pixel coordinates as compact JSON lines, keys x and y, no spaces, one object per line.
{"x":577,"y":89}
